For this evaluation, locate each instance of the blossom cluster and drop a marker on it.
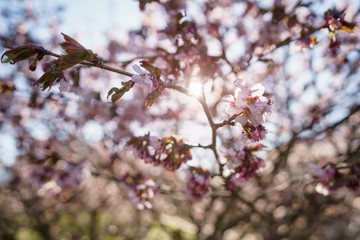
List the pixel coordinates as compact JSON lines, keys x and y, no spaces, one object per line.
{"x":147,"y":79}
{"x":306,"y":42}
{"x":336,"y":21}
{"x":66,"y":177}
{"x":250,"y":108}
{"x":169,"y":152}
{"x":150,"y":80}
{"x":71,"y":175}
{"x":140,"y":189}
{"x":331,"y":178}
{"x":198,"y":183}
{"x":243,"y":164}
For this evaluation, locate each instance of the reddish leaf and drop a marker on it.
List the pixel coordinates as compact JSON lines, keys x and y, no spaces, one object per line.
{"x":22,"y":53}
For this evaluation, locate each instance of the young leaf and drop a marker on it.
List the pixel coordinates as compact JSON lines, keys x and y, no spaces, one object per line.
{"x":22,"y":53}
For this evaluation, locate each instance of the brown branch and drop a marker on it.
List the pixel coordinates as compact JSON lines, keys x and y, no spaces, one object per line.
{"x":106,"y":67}
{"x":226,"y":122}
{"x":201,"y":100}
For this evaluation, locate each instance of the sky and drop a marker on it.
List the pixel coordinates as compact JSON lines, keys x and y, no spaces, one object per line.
{"x":93,"y":19}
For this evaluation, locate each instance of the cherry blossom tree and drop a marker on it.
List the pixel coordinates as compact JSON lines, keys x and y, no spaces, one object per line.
{"x":214,"y":120}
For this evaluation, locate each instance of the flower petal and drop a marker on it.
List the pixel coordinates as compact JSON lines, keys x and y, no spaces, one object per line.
{"x":231,"y":110}
{"x":257,"y":90}
{"x":228,"y":98}
{"x":237,"y":82}
{"x":137,"y":78}
{"x":138,"y":69}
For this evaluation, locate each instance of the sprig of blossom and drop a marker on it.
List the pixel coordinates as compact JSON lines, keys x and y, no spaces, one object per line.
{"x":72,"y":175}
{"x":169,"y":152}
{"x":243,"y":164}
{"x":336,"y":21}
{"x":147,"y":79}
{"x":306,"y":42}
{"x":198,"y":183}
{"x":68,"y":177}
{"x":332,"y":179}
{"x":151,"y":80}
{"x":140,"y":189}
{"x":329,"y":177}
{"x":250,"y":108}
{"x":41,"y":175}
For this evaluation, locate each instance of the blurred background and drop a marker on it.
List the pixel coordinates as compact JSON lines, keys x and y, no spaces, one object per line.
{"x":80,"y":135}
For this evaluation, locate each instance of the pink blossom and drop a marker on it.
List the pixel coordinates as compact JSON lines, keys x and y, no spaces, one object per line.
{"x":169,"y":152}
{"x":71,"y":176}
{"x":249,"y":167}
{"x":234,"y":182}
{"x":328,"y":175}
{"x":140,"y":189}
{"x":198,"y":183}
{"x":331,"y":179}
{"x":42,"y":175}
{"x":334,"y":20}
{"x":147,"y":79}
{"x":255,"y":133}
{"x":64,"y":86}
{"x":306,"y":43}
{"x":243,"y":163}
{"x":155,"y":142}
{"x":234,"y":158}
{"x":249,"y":104}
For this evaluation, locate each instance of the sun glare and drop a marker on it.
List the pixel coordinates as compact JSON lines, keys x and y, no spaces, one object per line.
{"x":196,"y":89}
{"x":195,"y":86}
